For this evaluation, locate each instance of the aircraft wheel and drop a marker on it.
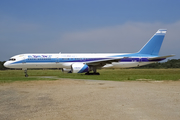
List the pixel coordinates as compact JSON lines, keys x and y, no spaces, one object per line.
{"x":94,"y":73}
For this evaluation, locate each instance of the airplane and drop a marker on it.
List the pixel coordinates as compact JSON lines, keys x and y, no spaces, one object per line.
{"x":85,"y":63}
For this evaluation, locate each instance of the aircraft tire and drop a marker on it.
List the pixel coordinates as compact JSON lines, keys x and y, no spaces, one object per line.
{"x":92,"y":73}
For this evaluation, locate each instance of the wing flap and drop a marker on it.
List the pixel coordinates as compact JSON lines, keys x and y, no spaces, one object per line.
{"x":103,"y":62}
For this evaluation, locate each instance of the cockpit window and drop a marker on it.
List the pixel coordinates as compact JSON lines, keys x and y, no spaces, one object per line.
{"x":12,"y":59}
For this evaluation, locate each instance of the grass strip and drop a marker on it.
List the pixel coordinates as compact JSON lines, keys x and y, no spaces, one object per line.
{"x":105,"y":74}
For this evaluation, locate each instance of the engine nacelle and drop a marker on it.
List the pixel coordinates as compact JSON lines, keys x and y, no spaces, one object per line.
{"x":79,"y":68}
{"x":66,"y":70}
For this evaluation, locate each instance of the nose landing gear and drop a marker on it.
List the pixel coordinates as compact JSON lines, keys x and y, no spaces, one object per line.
{"x":25,"y":72}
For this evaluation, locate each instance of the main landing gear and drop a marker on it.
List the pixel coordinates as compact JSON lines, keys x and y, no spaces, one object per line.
{"x":94,"y":72}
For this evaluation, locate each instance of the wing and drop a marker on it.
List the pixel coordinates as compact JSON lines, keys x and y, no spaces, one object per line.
{"x":162,"y":57}
{"x":103,"y":62}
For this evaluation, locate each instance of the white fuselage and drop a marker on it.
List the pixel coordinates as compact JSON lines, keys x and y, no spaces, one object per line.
{"x":66,"y":60}
{"x":79,"y":63}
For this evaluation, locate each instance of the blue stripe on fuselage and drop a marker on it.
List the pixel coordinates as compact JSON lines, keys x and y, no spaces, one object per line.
{"x":53,"y":60}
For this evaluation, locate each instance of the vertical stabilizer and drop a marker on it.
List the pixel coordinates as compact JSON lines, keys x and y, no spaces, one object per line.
{"x":152,"y":47}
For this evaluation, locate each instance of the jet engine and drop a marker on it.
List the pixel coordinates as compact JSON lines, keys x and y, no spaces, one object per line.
{"x":79,"y":68}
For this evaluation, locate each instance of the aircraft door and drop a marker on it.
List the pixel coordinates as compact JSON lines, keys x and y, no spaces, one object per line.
{"x":24,"y":60}
{"x":57,"y":59}
{"x":140,"y":60}
{"x":57,"y":62}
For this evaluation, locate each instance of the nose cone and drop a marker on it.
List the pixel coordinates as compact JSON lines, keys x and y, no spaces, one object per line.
{"x":6,"y":64}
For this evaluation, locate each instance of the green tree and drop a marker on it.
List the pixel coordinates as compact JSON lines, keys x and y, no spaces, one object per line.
{"x":2,"y":65}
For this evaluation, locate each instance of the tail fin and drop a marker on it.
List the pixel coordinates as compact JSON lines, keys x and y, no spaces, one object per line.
{"x":153,"y":46}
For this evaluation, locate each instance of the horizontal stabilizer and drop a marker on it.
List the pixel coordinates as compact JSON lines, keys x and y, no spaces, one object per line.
{"x":162,"y":57}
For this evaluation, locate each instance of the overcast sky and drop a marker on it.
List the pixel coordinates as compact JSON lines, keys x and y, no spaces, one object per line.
{"x":86,"y":26}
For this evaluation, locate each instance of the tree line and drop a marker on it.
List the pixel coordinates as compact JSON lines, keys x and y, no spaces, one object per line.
{"x":2,"y":65}
{"x":173,"y":63}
